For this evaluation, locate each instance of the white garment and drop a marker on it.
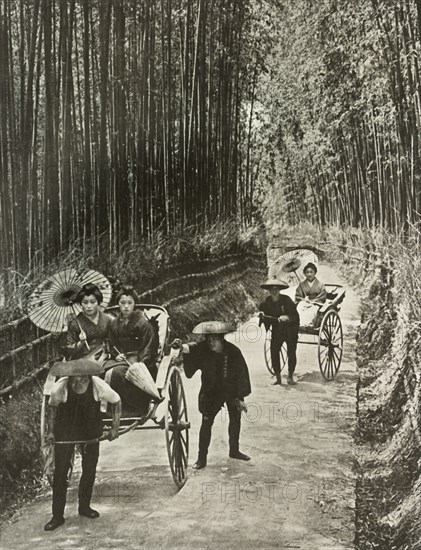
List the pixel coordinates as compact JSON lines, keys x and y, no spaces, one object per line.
{"x":308,"y":313}
{"x":101,"y":391}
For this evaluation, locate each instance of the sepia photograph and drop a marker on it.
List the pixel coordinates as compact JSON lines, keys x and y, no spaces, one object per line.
{"x":210,"y":301}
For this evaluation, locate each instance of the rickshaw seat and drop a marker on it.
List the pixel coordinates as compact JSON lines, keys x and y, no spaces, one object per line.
{"x":334,"y":299}
{"x":162,"y":319}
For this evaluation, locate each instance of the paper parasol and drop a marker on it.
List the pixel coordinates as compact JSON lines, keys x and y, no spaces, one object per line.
{"x":291,"y":258}
{"x":291,"y":265}
{"x":55,"y":299}
{"x":139,"y":375}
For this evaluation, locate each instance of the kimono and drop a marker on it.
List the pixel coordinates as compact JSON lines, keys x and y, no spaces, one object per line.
{"x":315,"y":292}
{"x":136,"y":338}
{"x":95,"y":334}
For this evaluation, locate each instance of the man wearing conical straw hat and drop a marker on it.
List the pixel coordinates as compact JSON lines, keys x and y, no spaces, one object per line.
{"x":74,"y":415}
{"x":285,"y":323}
{"x":225,"y":379}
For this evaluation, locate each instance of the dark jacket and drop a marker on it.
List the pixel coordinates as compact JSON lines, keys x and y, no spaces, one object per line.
{"x":225,"y":375}
{"x":284,"y":306}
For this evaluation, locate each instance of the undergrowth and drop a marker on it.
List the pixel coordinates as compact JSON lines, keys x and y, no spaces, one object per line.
{"x":20,"y":461}
{"x":231,"y":303}
{"x":144,"y":263}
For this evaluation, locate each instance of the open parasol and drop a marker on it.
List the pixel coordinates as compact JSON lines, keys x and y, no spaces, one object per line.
{"x":287,"y":265}
{"x":51,"y":303}
{"x":291,"y":265}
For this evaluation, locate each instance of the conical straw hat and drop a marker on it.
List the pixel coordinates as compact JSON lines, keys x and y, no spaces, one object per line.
{"x":77,"y":367}
{"x":139,"y":375}
{"x":270,"y":283}
{"x":214,"y":327}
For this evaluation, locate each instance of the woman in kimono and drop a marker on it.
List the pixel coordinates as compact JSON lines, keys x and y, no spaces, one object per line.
{"x":132,"y":339}
{"x":90,"y":327}
{"x":309,"y":293}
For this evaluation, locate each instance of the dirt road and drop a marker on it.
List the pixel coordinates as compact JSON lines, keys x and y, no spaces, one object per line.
{"x":296,"y":492}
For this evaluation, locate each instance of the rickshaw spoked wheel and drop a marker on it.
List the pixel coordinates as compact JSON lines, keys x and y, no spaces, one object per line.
{"x":268,"y":357}
{"x":176,"y":427}
{"x":330,"y":347}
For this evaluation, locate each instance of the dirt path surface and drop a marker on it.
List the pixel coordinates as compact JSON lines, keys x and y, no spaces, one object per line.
{"x":296,"y":492}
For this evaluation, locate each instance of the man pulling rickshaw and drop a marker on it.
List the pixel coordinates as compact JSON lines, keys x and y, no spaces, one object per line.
{"x":74,"y":415}
{"x":281,"y":314}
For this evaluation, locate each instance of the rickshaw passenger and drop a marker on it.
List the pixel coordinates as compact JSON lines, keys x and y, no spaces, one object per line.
{"x":85,"y":332}
{"x":308,"y":292}
{"x":90,"y":327}
{"x":74,"y":414}
{"x":132,"y":339}
{"x":285,"y":329}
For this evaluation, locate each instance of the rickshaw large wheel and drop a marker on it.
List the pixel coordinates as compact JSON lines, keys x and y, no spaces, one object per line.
{"x":268,"y":358}
{"x":176,"y":427}
{"x":330,"y":346}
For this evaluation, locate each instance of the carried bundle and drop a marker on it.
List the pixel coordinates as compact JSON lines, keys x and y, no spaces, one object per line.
{"x":139,"y":375}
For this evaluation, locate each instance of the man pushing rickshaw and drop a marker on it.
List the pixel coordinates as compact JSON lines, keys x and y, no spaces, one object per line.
{"x":225,"y":380}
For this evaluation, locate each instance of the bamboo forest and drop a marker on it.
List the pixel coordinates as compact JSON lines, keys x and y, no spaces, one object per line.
{"x":121,"y":117}
{"x":189,"y":166}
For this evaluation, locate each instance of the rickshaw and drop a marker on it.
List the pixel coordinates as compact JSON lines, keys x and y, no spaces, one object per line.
{"x":167,"y":409}
{"x":326,"y":333}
